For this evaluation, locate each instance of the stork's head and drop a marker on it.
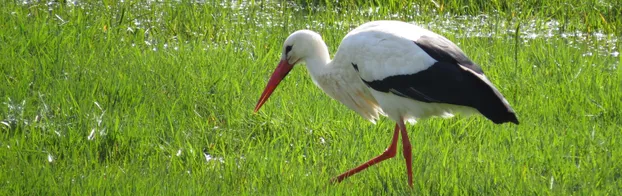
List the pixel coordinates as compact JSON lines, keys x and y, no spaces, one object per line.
{"x":296,"y":49}
{"x":299,"y":45}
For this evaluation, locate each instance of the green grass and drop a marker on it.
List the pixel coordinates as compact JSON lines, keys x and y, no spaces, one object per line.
{"x":126,"y":98}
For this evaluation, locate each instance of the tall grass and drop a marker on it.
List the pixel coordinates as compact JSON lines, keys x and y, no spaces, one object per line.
{"x":131,"y":97}
{"x":591,"y":15}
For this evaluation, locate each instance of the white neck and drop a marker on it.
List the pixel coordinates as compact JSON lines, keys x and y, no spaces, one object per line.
{"x":318,"y":60}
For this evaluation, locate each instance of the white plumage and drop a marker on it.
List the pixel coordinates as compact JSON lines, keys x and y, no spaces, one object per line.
{"x":384,"y":48}
{"x":344,"y":85}
{"x":397,"y":69}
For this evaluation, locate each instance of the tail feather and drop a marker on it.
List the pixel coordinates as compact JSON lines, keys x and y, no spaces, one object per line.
{"x":493,"y":105}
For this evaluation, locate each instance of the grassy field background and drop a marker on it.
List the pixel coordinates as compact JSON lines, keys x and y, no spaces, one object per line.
{"x":156,"y":98}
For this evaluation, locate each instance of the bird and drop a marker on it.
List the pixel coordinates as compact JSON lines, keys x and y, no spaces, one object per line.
{"x":394,"y":69}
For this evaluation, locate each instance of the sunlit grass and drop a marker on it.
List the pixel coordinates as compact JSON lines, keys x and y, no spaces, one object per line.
{"x":157,"y":98}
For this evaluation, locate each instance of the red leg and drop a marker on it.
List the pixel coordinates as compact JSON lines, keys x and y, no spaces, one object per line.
{"x":407,"y":153}
{"x":388,"y":153}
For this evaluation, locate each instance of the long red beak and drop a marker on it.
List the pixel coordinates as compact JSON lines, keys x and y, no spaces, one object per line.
{"x":281,"y":71}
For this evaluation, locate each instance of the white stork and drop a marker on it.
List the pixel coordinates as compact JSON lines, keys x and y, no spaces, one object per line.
{"x":394,"y":69}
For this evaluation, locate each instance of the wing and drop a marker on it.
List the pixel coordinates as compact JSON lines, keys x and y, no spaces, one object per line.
{"x":451,"y":77}
{"x":452,"y":84}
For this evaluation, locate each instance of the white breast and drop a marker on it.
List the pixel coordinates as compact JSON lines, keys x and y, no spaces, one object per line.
{"x":344,"y":85}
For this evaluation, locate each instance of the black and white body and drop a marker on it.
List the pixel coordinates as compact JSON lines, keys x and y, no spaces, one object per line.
{"x":395,"y":69}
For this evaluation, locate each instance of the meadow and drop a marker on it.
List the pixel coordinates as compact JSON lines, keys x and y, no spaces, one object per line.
{"x":134,"y":97}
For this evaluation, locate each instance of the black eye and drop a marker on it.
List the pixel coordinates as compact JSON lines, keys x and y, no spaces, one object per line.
{"x":287,"y":49}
